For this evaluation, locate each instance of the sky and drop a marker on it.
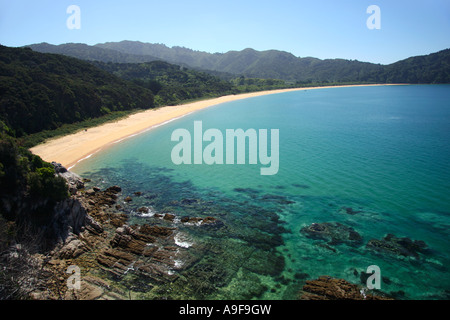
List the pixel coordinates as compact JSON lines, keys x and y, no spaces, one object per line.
{"x":318,"y":28}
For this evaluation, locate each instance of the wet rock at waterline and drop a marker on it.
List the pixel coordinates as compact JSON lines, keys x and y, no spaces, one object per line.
{"x":328,"y":288}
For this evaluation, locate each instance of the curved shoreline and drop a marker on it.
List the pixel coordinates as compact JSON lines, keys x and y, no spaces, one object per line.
{"x":73,"y":148}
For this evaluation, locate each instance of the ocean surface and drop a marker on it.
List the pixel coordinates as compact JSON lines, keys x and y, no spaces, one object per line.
{"x":364,"y":161}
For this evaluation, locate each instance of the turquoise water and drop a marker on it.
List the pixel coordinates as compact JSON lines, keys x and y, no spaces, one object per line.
{"x":381,"y":151}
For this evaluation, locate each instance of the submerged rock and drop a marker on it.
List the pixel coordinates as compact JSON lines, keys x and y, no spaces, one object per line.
{"x":282,"y":200}
{"x":335,"y":233}
{"x":351,"y":211}
{"x":114,"y":189}
{"x":210,"y":223}
{"x":398,"y":246}
{"x":187,"y":201}
{"x":169,"y":217}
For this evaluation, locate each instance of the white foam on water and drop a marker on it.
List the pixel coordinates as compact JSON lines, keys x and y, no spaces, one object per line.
{"x":182,"y":241}
{"x":150,"y":213}
{"x":178,"y":263}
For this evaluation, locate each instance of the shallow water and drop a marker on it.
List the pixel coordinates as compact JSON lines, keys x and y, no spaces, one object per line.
{"x":371,"y":158}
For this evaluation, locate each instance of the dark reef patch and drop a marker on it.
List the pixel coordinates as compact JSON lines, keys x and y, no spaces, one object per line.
{"x":335,"y":233}
{"x":398,"y":246}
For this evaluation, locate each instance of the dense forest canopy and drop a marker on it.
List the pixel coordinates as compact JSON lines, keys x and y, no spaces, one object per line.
{"x":169,"y":83}
{"x":43,"y":91}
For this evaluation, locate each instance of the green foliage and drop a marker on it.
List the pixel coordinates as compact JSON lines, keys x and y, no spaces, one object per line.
{"x":243,"y":84}
{"x":25,"y":175}
{"x":43,"y":91}
{"x":44,"y":183}
{"x":68,"y":128}
{"x":432,"y":68}
{"x":171,"y":84}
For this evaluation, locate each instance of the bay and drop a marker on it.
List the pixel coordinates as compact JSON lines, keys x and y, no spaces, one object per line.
{"x":374,"y":160}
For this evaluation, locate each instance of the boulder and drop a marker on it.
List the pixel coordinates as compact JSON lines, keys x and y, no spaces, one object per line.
{"x":143,"y":210}
{"x":169,"y":217}
{"x":114,"y":189}
{"x":155,"y":231}
{"x":72,"y":248}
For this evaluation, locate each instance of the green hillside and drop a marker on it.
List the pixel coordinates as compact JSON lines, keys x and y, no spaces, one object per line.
{"x":44,"y":91}
{"x":171,"y":84}
{"x":432,"y":68}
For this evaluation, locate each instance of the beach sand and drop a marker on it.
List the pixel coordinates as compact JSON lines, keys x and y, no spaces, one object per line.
{"x":69,"y":150}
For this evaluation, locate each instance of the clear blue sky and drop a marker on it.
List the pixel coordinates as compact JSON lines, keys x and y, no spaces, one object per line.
{"x":317,"y":28}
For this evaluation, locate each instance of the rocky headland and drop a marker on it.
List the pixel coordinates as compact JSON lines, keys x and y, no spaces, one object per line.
{"x":93,"y":234}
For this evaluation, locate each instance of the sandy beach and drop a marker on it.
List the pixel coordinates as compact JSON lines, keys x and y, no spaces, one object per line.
{"x":69,"y":150}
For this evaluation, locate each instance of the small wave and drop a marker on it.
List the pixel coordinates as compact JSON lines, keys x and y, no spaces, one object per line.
{"x":149,"y":213}
{"x":178,"y":264}
{"x":182,"y":241}
{"x":87,"y":157}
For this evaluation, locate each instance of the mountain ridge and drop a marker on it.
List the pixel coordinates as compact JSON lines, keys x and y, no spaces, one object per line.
{"x":268,"y":64}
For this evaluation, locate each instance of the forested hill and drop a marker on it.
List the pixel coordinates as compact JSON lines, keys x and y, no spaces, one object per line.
{"x":43,"y":91}
{"x":432,"y":68}
{"x":270,"y":64}
{"x":40,"y":92}
{"x":171,"y":84}
{"x":251,"y":63}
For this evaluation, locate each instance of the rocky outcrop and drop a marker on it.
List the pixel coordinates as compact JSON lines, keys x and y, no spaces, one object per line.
{"x":328,"y":288}
{"x":94,"y":234}
{"x":71,"y":216}
{"x":148,"y":250}
{"x":74,"y":181}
